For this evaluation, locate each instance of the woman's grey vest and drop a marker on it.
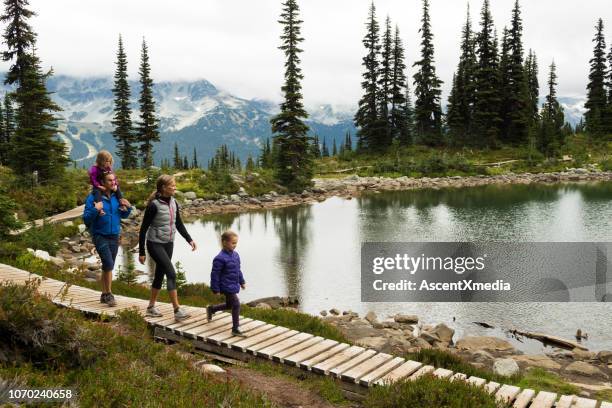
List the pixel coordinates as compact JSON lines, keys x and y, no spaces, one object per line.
{"x":163,"y":226}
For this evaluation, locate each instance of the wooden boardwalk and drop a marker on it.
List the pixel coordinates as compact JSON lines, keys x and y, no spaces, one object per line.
{"x":356,"y":366}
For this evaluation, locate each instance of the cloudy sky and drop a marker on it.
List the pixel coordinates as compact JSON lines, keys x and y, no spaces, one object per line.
{"x":233,"y":43}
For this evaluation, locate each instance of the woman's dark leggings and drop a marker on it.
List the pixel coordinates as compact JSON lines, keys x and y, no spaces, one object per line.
{"x":162,"y":255}
{"x":231,"y":302}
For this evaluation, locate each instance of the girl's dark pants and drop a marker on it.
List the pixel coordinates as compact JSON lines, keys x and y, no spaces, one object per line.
{"x":162,"y":255}
{"x":231,"y":302}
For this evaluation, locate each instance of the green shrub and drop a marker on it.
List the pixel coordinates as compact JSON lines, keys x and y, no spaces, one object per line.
{"x":429,"y":391}
{"x":47,"y":236}
{"x":215,"y":183}
{"x":8,"y":208}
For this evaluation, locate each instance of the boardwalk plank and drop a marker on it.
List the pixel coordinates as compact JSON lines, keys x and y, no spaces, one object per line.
{"x":227,"y":334}
{"x":316,"y":359}
{"x":272,"y":332}
{"x":443,"y":373}
{"x":565,"y":401}
{"x":250,"y":333}
{"x":507,"y":393}
{"x":318,"y":348}
{"x":605,"y":404}
{"x":272,"y":349}
{"x":524,"y":398}
{"x":199,"y":329}
{"x":477,"y":381}
{"x":347,"y":365}
{"x":421,"y":372}
{"x":492,"y":387}
{"x":585,"y":403}
{"x":544,"y":400}
{"x":459,"y":377}
{"x":400,"y":372}
{"x":367,"y":366}
{"x":313,"y":341}
{"x":368,"y":379}
{"x":324,"y":366}
{"x":271,"y":341}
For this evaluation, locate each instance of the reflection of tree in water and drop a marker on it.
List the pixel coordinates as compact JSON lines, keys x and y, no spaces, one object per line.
{"x":222,"y":222}
{"x":292,"y":227}
{"x":601,"y":191}
{"x":491,"y":196}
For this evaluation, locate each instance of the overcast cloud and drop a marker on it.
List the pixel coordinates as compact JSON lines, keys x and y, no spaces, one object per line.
{"x":233,"y":43}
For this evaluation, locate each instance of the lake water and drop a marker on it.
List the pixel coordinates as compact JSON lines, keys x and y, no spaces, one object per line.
{"x":313,"y":251}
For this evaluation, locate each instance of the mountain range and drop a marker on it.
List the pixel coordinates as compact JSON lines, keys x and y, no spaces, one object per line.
{"x":194,"y":115}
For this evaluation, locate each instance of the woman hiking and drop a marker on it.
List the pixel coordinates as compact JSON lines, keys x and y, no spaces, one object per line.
{"x":160,"y":223}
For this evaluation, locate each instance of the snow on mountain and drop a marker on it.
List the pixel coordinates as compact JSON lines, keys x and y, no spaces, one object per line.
{"x":193,"y":114}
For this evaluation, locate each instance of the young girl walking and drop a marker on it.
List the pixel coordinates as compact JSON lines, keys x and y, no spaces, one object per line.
{"x":160,"y":223}
{"x":226,"y":277}
{"x":104,"y":165}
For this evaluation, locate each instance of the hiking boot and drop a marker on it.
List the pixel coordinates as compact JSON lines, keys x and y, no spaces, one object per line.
{"x":153,"y":311}
{"x":110,"y":300}
{"x":103,"y":297}
{"x":238,"y":333}
{"x":181,"y":314}
{"x":209,"y":313}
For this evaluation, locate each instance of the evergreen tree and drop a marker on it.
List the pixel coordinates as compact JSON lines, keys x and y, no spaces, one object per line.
{"x":596,"y":93}
{"x":428,"y":113}
{"x":348,"y":143}
{"x":398,"y":89}
{"x":551,"y":136}
{"x":382,"y":138}
{"x":250,"y":164}
{"x":9,"y":118}
{"x":294,"y":168}
{"x":531,"y":68}
{"x":515,"y":105}
{"x":462,"y":97}
{"x":4,"y":143}
{"x":408,"y":135}
{"x":178,"y":162}
{"x":335,"y":149}
{"x":366,"y":118}
{"x":147,"y":128}
{"x":194,"y":161}
{"x":486,"y":121}
{"x":266,"y":160}
{"x":324,"y":150}
{"x":19,"y":38}
{"x":185,"y":163}
{"x":316,"y":149}
{"x":608,"y":113}
{"x":35,"y":146}
{"x":122,"y":121}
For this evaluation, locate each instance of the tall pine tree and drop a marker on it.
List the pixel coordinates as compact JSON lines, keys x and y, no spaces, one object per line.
{"x":4,"y":143}
{"x":34,"y":145}
{"x":596,"y":93}
{"x":461,"y":100}
{"x":147,"y":128}
{"x":515,"y":105}
{"x":178,"y":163}
{"x":427,"y":109}
{"x":122,"y":122}
{"x":383,"y":133}
{"x":294,"y":165}
{"x":551,"y":135}
{"x":486,"y":121}
{"x":367,"y":118}
{"x":398,"y":119}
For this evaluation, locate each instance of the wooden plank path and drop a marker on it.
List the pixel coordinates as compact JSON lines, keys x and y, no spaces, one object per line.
{"x":357,"y":367}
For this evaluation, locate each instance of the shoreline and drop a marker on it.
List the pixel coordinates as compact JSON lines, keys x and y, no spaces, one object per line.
{"x":353,"y":186}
